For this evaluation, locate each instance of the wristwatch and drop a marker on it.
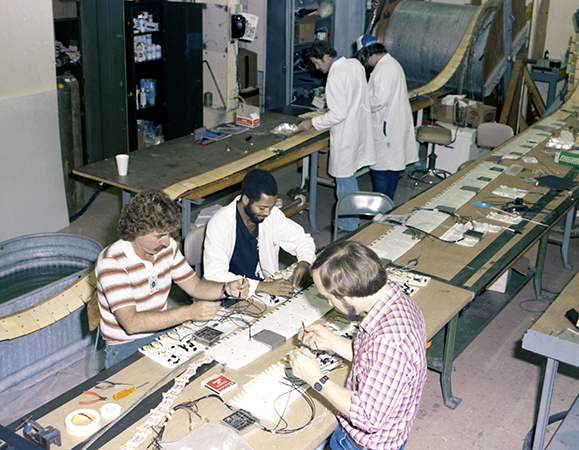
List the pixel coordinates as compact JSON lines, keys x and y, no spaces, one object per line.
{"x":319,"y":385}
{"x":225,"y":293}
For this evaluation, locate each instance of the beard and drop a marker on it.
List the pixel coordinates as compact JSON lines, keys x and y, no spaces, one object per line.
{"x":253,"y":217}
{"x":348,"y":310}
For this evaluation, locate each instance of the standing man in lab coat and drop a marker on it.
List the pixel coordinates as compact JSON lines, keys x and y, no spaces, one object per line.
{"x":348,"y":118}
{"x":394,"y":137}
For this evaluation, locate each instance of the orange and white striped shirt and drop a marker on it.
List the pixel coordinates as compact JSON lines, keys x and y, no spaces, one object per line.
{"x":124,"y":279}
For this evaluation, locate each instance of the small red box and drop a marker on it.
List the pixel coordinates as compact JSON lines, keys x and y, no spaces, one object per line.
{"x":248,"y":116}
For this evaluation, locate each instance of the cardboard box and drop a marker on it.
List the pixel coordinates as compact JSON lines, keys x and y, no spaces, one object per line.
{"x":477,"y":113}
{"x":305,"y":31}
{"x":247,"y":68}
{"x":248,"y":116}
{"x":445,"y":113}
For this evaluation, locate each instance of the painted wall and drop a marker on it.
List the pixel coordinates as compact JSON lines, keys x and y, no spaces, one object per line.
{"x":32,"y":197}
{"x":560,"y":27}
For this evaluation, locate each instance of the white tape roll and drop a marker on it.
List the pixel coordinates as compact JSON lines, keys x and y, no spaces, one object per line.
{"x":83,"y":422}
{"x":110,"y":411}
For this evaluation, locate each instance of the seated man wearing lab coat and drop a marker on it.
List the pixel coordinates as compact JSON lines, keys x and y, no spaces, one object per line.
{"x":243,"y":240}
{"x":394,"y":138}
{"x":348,"y":118}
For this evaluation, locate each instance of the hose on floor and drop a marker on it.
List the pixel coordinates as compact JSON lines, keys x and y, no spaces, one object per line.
{"x":85,"y":207}
{"x":528,"y":443}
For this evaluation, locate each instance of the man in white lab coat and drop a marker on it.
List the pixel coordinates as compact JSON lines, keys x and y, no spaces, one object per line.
{"x":348,"y":118}
{"x":394,"y":137}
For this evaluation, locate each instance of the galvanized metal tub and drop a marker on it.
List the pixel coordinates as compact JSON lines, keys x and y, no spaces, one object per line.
{"x":44,"y":264}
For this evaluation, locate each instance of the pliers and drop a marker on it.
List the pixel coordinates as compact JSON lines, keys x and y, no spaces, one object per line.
{"x":90,"y":402}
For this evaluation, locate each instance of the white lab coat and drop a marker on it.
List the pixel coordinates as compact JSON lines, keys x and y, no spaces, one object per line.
{"x":274,"y":232}
{"x":394,"y":137}
{"x":349,"y":119}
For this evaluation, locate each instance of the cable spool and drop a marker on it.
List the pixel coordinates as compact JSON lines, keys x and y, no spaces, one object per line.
{"x":83,"y":422}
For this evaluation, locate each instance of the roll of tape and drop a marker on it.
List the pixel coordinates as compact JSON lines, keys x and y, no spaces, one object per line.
{"x":110,"y":411}
{"x":83,"y":422}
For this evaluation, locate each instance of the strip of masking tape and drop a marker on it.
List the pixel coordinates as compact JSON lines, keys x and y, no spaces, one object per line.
{"x":83,"y":422}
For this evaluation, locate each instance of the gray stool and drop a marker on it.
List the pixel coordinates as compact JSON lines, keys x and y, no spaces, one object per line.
{"x":431,"y":136}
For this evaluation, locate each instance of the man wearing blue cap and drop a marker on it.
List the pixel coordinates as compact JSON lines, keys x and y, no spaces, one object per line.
{"x":391,"y":115}
{"x":348,"y":118}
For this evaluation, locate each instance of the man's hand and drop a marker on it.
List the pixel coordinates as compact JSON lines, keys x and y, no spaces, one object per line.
{"x":305,"y":366}
{"x":305,"y":125}
{"x":238,"y":288}
{"x":316,"y":337}
{"x":279,"y":288}
{"x":202,"y":311}
{"x":301,"y":274}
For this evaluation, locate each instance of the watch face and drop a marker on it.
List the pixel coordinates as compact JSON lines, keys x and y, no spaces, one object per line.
{"x":318,"y":387}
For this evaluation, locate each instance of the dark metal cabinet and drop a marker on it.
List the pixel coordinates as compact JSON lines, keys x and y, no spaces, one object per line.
{"x":177,"y":72}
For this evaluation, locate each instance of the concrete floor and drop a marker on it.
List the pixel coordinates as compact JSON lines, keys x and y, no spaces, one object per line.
{"x":497,"y":380}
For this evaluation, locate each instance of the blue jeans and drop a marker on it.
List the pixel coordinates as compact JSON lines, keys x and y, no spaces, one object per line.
{"x":344,"y":185}
{"x":117,"y":352}
{"x":340,"y":440}
{"x":386,"y":181}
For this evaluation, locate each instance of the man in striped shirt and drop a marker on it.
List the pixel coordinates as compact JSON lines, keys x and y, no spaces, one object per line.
{"x":135,"y":274}
{"x":379,"y":403}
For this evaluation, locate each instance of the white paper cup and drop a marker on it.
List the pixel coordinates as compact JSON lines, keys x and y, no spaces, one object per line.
{"x":122,"y":164}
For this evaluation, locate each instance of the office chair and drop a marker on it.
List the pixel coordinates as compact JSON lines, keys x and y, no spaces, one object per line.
{"x":490,"y":134}
{"x":431,"y":135}
{"x":493,"y":134}
{"x":356,"y":203}
{"x":193,"y":248}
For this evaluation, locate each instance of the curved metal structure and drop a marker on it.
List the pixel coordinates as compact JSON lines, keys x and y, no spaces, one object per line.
{"x":423,"y":36}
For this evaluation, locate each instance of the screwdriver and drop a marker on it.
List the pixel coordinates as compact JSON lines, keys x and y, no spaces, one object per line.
{"x":126,"y":392}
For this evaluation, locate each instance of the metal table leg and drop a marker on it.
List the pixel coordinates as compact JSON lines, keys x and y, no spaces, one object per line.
{"x":186,"y":219}
{"x":126,"y":196}
{"x":541,"y":253}
{"x":567,"y":237}
{"x":313,"y":191}
{"x":545,"y":405}
{"x":447,"y":360}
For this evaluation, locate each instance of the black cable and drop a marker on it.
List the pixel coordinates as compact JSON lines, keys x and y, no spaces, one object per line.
{"x":85,"y":207}
{"x":528,"y":443}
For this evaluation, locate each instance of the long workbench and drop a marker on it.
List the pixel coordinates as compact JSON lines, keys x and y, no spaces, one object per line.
{"x":413,"y":233}
{"x":439,"y":302}
{"x":188,"y":172}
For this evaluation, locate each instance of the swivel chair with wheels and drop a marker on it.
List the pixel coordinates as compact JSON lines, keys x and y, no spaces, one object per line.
{"x":431,"y":136}
{"x":356,"y":203}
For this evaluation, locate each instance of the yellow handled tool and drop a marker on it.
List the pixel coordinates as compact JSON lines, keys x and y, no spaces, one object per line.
{"x":126,"y":392}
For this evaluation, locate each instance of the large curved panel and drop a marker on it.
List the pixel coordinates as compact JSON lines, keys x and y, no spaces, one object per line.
{"x":423,"y":36}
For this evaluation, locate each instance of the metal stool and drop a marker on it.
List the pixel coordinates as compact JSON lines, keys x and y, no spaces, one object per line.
{"x":431,"y":136}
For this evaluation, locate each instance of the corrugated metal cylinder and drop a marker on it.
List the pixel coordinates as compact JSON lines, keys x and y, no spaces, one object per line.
{"x":422,"y":37}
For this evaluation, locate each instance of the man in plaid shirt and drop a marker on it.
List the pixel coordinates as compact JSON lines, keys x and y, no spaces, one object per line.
{"x":378,"y":405}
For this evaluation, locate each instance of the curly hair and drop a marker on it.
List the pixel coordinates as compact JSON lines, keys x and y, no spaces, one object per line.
{"x":350,"y":269}
{"x":320,"y":48}
{"x":258,"y":182}
{"x":147,"y":212}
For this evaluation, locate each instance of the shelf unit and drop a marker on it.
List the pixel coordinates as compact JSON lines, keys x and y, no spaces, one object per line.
{"x":305,"y":76}
{"x":177,"y":72}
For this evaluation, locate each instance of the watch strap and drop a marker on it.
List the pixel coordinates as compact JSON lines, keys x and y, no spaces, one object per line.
{"x":319,"y":385}
{"x":224,"y":291}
